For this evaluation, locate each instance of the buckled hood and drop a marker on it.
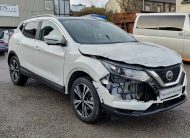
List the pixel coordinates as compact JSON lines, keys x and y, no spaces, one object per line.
{"x":145,"y":54}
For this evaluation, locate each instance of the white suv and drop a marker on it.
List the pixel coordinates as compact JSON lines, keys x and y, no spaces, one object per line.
{"x":99,"y":65}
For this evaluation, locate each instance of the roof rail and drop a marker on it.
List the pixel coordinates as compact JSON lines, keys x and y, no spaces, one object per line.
{"x":43,"y":15}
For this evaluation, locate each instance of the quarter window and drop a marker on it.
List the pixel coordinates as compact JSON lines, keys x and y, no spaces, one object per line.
{"x":30,"y":30}
{"x":147,"y":22}
{"x":171,"y":23}
{"x":49,"y":28}
{"x":21,"y":27}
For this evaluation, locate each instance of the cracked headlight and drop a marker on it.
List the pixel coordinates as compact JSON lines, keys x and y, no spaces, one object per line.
{"x":127,"y":72}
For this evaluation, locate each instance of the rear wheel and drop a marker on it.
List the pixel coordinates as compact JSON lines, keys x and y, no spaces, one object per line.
{"x":16,"y":76}
{"x":85,"y":100}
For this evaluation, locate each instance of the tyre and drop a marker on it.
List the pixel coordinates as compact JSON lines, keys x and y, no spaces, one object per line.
{"x":85,"y":100}
{"x":16,"y":76}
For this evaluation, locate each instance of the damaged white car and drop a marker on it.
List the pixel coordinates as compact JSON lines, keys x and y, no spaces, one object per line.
{"x":99,"y":65}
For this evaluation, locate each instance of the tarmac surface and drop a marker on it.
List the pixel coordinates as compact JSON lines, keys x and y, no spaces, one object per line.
{"x":37,"y":111}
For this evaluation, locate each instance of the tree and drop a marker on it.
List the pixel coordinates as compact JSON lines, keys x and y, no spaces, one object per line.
{"x":93,"y":10}
{"x":129,"y":5}
{"x":92,"y":3}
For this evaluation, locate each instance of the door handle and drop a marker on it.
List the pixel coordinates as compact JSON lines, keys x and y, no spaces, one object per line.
{"x":180,"y":34}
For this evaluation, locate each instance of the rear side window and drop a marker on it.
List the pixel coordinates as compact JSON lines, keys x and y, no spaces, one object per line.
{"x":171,"y":23}
{"x":30,"y":29}
{"x":147,"y":22}
{"x":21,"y":27}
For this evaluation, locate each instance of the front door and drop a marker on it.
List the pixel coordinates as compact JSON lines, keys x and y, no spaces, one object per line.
{"x":50,"y":58}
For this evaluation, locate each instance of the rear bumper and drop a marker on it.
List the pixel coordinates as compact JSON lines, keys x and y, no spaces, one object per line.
{"x":155,"y":108}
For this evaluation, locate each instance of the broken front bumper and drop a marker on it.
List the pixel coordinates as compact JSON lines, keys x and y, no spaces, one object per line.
{"x":153,"y":109}
{"x":116,"y":105}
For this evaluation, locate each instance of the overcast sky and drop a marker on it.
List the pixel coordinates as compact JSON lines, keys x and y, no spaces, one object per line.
{"x":99,"y":3}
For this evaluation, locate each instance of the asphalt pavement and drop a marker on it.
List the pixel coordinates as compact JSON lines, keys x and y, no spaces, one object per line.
{"x":37,"y":111}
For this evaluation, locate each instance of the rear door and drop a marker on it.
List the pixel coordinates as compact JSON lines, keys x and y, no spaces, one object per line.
{"x":186,"y":51}
{"x":170,"y":32}
{"x":26,"y":42}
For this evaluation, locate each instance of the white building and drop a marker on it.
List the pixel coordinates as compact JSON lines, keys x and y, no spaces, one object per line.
{"x":12,"y":12}
{"x":182,"y":5}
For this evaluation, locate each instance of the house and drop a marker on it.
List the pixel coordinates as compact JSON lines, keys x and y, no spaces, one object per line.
{"x":113,"y":5}
{"x":182,"y":5}
{"x":144,"y":6}
{"x":160,"y":6}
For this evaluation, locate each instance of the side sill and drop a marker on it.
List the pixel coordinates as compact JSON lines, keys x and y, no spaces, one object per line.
{"x":47,"y":82}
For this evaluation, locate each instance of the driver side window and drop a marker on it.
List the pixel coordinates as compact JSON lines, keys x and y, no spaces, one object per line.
{"x":49,"y":28}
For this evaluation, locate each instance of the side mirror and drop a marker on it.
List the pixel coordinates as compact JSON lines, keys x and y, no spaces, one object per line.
{"x":55,"y":40}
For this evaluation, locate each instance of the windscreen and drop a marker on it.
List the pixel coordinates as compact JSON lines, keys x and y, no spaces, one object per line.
{"x":96,"y":32}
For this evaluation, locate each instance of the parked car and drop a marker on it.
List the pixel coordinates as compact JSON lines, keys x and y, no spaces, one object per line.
{"x":2,"y":48}
{"x":5,"y":36}
{"x":168,"y":29}
{"x":99,"y":65}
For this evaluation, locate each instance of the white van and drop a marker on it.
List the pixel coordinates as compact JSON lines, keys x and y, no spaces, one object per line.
{"x":168,"y":29}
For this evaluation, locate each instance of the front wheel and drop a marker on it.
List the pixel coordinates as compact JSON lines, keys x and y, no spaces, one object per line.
{"x":85,"y":100}
{"x":16,"y":76}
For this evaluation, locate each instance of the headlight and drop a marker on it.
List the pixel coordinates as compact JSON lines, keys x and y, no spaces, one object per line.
{"x":126,"y":72}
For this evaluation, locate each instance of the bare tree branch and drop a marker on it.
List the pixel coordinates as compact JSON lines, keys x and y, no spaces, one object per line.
{"x":92,"y":3}
{"x":129,"y":5}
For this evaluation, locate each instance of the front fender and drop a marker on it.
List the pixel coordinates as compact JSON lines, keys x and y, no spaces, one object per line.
{"x":92,"y":67}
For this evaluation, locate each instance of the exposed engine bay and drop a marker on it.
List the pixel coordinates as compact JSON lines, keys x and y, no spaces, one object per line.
{"x":129,"y":90}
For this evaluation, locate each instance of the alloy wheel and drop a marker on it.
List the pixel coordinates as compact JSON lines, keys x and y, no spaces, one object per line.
{"x":83,"y":100}
{"x":14,"y":69}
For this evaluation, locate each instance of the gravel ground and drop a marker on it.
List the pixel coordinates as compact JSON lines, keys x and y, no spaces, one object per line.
{"x":38,"y":111}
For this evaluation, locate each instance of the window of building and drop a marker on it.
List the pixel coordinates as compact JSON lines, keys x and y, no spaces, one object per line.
{"x":30,"y":30}
{"x":49,"y":28}
{"x":185,"y":1}
{"x":172,"y":23}
{"x":158,"y":8}
{"x":147,"y":22}
{"x":62,"y":7}
{"x":147,"y":8}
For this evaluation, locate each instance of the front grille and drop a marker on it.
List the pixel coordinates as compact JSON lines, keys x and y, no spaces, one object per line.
{"x":162,"y":73}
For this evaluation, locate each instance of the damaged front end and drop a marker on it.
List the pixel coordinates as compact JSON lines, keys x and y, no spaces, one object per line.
{"x":135,"y":91}
{"x":130,"y":83}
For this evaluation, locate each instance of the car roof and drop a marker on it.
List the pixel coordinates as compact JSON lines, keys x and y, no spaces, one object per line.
{"x":161,"y":14}
{"x":46,"y":17}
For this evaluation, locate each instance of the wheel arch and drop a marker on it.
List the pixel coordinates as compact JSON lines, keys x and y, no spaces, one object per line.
{"x":11,"y":54}
{"x":74,"y":76}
